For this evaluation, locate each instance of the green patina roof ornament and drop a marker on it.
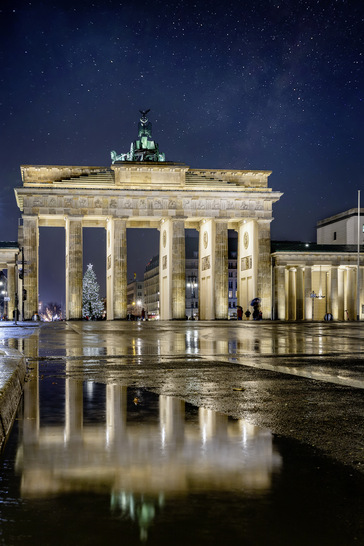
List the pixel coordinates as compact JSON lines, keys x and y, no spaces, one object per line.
{"x":144,"y":148}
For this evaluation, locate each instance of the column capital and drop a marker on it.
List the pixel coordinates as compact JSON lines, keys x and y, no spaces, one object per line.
{"x":69,"y":217}
{"x":263,"y":221}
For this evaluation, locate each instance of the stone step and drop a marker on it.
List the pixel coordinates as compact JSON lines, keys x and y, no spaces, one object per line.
{"x":200,"y":180}
{"x":93,"y":178}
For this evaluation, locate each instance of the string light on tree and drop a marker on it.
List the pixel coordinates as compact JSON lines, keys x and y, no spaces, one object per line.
{"x":92,"y":306}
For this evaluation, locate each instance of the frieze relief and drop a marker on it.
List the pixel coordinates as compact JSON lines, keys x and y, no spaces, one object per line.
{"x":157,"y":204}
{"x":127,"y":204}
{"x":164,"y":261}
{"x":37,"y":202}
{"x":246,"y":263}
{"x":205,"y":263}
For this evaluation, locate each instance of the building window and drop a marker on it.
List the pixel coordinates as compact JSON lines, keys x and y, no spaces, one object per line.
{"x":334,"y":235}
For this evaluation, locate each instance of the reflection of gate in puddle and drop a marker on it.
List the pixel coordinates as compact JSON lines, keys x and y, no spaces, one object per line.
{"x":169,"y":453}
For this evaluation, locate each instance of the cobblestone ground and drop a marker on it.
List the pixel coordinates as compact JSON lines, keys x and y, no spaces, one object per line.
{"x":301,"y":380}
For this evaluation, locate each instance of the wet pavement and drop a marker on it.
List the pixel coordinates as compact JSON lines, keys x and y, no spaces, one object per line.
{"x":300,"y":380}
{"x":199,"y":432}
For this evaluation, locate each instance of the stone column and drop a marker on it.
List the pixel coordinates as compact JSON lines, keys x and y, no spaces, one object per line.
{"x":264,"y":268}
{"x":178,"y":270}
{"x":172,"y":287}
{"x":299,"y":294}
{"x":30,"y":280}
{"x":74,"y":268}
{"x":334,"y":293}
{"x":280,"y":280}
{"x":116,"y":269}
{"x":308,"y":290}
{"x":340,"y":293}
{"x":206,"y":266}
{"x":292,"y":293}
{"x":350,"y":289}
{"x":221,"y":270}
{"x":11,"y":289}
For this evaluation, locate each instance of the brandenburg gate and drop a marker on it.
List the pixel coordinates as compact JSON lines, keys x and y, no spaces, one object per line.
{"x":142,"y":190}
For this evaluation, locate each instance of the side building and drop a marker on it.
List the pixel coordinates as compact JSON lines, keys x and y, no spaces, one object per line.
{"x":151,"y":281}
{"x":151,"y":288}
{"x":311,"y":281}
{"x":135,"y":298}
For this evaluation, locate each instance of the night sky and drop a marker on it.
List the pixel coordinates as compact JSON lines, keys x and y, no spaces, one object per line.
{"x":232,"y":85}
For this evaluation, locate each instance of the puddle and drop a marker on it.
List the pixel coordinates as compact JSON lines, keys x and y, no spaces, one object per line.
{"x":91,"y":463}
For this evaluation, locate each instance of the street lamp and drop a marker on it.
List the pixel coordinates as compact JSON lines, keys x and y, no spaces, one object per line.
{"x":313,"y":295}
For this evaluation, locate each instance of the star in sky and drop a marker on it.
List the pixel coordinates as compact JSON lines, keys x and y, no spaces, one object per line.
{"x":237,"y":85}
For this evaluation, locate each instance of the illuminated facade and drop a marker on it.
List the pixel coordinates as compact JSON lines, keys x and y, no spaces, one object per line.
{"x":311,"y":281}
{"x":142,"y":190}
{"x":170,"y":197}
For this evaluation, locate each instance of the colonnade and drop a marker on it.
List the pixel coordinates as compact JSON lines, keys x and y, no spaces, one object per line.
{"x":309,"y":292}
{"x":254,"y":276}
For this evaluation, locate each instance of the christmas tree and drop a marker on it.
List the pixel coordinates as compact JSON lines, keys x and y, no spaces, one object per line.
{"x":92,"y":306}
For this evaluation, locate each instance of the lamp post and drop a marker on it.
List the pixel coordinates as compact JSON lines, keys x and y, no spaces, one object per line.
{"x":358,"y":265}
{"x":313,"y":295}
